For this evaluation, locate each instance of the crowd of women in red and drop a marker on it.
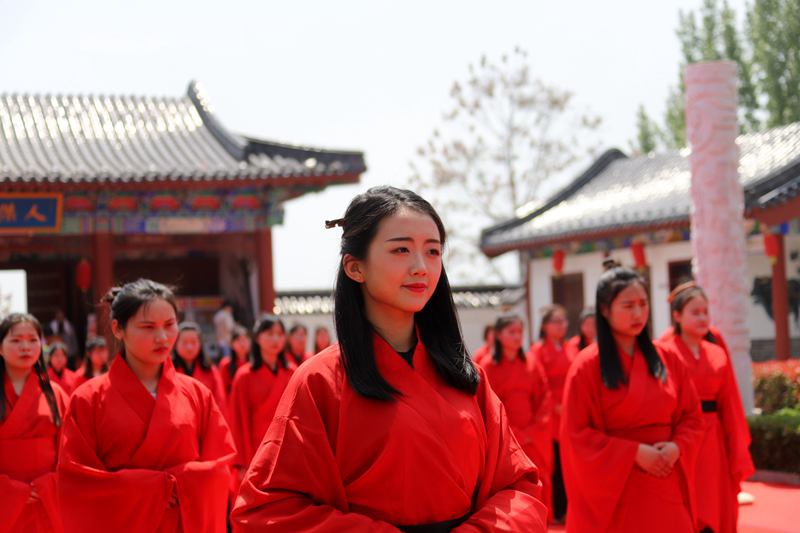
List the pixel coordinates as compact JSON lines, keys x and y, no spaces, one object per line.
{"x":394,"y":427}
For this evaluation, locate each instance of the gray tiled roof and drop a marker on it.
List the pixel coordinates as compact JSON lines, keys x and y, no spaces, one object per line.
{"x":128,"y":138}
{"x":650,"y":191}
{"x":321,"y":302}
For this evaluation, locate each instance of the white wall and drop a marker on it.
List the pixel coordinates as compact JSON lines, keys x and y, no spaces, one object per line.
{"x":658,"y":258}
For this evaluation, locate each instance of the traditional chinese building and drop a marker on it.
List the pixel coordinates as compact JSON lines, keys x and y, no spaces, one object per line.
{"x":98,"y":189}
{"x":637,"y":209}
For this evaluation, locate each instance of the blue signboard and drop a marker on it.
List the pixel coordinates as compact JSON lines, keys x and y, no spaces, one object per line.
{"x":25,"y":213}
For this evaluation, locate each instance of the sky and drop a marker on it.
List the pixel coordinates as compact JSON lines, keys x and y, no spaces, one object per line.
{"x":367,"y":75}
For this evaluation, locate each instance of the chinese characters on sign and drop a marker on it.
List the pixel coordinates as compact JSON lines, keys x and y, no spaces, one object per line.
{"x":24,"y":213}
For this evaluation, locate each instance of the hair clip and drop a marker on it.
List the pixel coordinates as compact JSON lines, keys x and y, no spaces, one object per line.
{"x":333,"y":223}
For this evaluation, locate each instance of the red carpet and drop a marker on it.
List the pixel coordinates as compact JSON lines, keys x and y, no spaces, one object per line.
{"x":776,"y":509}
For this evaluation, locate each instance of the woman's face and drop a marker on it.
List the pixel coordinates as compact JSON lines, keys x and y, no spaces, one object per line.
{"x":510,"y":337}
{"x":297,"y":341}
{"x":555,"y":329}
{"x":188,"y":345}
{"x":323,"y":339}
{"x":630,"y":311}
{"x":58,"y":359}
{"x":694,"y":319}
{"x":21,"y":347}
{"x":149,"y":334}
{"x":241,"y":346}
{"x":403,"y":264}
{"x":589,"y":328}
{"x":99,"y":357}
{"x":271,"y":341}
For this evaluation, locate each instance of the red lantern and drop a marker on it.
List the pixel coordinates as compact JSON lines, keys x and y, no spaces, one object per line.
{"x":772,"y":246}
{"x":558,"y":262}
{"x":83,"y":275}
{"x":639,"y":259}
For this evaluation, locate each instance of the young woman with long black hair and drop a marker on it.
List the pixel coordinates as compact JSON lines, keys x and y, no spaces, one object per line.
{"x":322,"y":339}
{"x":257,"y":388}
{"x":587,"y":331}
{"x":240,"y":356}
{"x":30,"y":419}
{"x":296,"y":345}
{"x":188,"y":357}
{"x":144,"y":448}
{"x":631,"y":423}
{"x":555,"y":355}
{"x":57,"y":371}
{"x":521,"y":385}
{"x":96,"y":361}
{"x":394,"y":427}
{"x":723,"y":461}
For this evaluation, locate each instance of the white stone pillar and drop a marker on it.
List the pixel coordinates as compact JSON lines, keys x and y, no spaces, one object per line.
{"x":717,"y":215}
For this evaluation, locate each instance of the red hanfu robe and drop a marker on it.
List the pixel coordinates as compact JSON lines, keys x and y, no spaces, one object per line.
{"x":600,"y":435}
{"x":254,"y":397}
{"x":293,"y":360}
{"x":522,"y":387}
{"x":212,"y":379}
{"x":333,"y":460}
{"x":67,"y":380}
{"x":28,"y":455}
{"x":124,"y":453}
{"x":482,"y":352}
{"x":225,"y":373}
{"x":556,"y":362}
{"x":669,"y":333}
{"x":724,"y":457}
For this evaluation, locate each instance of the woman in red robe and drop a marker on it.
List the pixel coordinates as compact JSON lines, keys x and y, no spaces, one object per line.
{"x":724,"y":458}
{"x":631,"y":423}
{"x":554,"y":355}
{"x":322,"y":339}
{"x":257,"y":388}
{"x":30,"y":417}
{"x":521,"y":385}
{"x":95,"y":363}
{"x":188,"y":358}
{"x":485,"y":350}
{"x":240,"y":356}
{"x":57,"y":370}
{"x":296,"y":342}
{"x":587,"y":332}
{"x":144,"y":448}
{"x":394,"y":427}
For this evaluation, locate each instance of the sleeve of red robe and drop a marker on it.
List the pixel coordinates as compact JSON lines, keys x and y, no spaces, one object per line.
{"x":94,"y":499}
{"x":208,"y":475}
{"x":14,"y":496}
{"x":239,"y":418}
{"x":734,"y":426}
{"x":305,"y":491}
{"x":509,"y":496}
{"x":604,"y":462}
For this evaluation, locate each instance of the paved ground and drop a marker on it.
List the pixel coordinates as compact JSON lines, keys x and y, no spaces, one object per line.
{"x":776,"y":509}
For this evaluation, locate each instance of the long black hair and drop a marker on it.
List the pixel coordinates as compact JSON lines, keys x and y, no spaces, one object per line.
{"x":202,"y":359}
{"x":682,"y":295}
{"x":500,"y":324}
{"x":611,"y":283}
{"x":238,"y":331}
{"x":437,"y":322}
{"x":95,"y":343}
{"x":41,"y":370}
{"x":125,"y":301}
{"x":586,"y":314}
{"x":263,"y":324}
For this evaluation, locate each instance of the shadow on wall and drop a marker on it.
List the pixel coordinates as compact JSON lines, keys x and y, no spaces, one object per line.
{"x":762,"y":295}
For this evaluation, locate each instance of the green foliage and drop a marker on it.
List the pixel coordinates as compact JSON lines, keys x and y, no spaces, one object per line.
{"x":776,"y":385}
{"x":766,"y":50}
{"x":776,"y":440}
{"x":648,"y":133}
